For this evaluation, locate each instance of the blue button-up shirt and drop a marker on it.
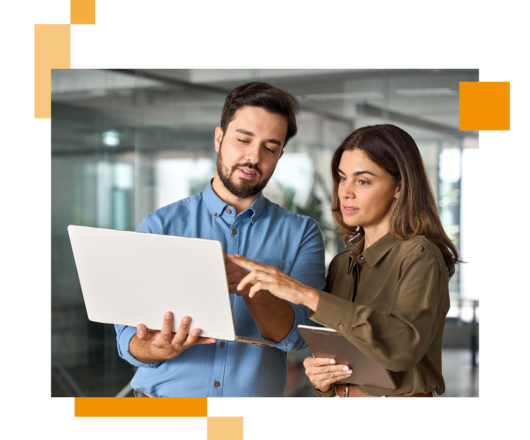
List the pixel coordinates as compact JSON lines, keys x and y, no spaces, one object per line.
{"x":264,"y":232}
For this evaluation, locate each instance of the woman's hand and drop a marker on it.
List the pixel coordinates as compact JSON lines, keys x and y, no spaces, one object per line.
{"x":234,"y":275}
{"x":269,"y":278}
{"x":323,"y":372}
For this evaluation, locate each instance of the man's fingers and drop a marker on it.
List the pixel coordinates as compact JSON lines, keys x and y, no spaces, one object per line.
{"x":166,"y":328}
{"x":194,"y":338}
{"x":142,"y":333}
{"x":203,"y":340}
{"x":182,"y":331}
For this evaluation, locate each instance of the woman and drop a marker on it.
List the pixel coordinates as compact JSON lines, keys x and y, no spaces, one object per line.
{"x":387,"y":291}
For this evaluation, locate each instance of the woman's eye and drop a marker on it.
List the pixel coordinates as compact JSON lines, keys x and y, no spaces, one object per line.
{"x":362,"y":182}
{"x":342,"y":178}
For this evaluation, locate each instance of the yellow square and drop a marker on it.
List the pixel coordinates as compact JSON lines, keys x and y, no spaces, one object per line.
{"x":52,"y":51}
{"x":52,"y":45}
{"x":225,"y":428}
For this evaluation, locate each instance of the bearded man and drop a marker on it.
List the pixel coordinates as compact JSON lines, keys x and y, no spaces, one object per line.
{"x":257,"y":122}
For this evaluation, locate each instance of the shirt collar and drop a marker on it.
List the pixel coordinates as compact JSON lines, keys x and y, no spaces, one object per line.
{"x":379,"y":249}
{"x":216,"y":206}
{"x":258,"y":205}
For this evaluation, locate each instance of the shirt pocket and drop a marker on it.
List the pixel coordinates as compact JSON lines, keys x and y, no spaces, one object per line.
{"x":284,"y":265}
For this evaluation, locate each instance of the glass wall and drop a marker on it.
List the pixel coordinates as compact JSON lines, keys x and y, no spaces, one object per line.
{"x":125,"y":143}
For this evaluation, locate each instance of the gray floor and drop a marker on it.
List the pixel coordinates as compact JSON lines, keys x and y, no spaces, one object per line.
{"x":461,"y":379}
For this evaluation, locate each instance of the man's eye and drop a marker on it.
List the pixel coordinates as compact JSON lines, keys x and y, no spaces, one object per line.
{"x":270,"y":150}
{"x":243,"y":141}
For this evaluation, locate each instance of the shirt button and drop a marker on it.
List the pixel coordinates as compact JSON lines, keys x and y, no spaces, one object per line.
{"x":217,"y":384}
{"x":214,"y":214}
{"x":222,"y":344}
{"x":362,"y":258}
{"x":229,"y":211}
{"x":234,"y":232}
{"x":253,"y":219}
{"x":341,"y":327}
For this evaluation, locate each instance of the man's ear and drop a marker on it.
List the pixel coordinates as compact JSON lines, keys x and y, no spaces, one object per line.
{"x":281,"y":154}
{"x":218,"y":138}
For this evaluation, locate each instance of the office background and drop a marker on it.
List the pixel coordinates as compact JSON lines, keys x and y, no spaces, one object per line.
{"x":125,"y":143}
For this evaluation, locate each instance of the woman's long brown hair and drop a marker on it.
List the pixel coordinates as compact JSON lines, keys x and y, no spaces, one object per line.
{"x":415,"y":211}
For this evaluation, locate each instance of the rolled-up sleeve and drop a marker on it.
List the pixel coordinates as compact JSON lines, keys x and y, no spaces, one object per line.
{"x":309,"y":269}
{"x":397,"y":339}
{"x":124,"y":335}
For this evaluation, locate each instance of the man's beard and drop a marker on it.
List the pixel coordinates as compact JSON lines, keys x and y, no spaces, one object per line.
{"x":242,"y":189}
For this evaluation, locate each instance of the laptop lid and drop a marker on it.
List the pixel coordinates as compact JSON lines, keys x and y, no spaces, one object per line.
{"x":132,"y":278}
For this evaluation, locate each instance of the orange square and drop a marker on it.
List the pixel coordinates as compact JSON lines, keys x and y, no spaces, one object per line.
{"x":484,"y":106}
{"x":140,"y":407}
{"x":82,"y":11}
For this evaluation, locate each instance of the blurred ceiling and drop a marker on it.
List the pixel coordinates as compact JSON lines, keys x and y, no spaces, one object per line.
{"x":179,"y":107}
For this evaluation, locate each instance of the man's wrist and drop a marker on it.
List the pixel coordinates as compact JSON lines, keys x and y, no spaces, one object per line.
{"x":144,"y":352}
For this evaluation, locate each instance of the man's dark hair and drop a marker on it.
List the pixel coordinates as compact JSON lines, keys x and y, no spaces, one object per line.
{"x":265,"y":96}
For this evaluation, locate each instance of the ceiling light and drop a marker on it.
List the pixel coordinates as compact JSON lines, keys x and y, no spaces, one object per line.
{"x":340,"y":96}
{"x":427,"y":92}
{"x":111,"y":138}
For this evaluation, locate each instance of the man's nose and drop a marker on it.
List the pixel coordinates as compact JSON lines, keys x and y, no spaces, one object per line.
{"x":253,"y":153}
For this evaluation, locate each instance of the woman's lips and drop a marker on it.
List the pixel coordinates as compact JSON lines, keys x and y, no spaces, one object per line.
{"x":349,"y":209}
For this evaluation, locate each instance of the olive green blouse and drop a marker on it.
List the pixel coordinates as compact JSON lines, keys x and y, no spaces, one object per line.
{"x":390,"y":302}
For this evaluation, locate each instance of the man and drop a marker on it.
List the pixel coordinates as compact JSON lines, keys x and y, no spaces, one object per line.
{"x":257,"y":121}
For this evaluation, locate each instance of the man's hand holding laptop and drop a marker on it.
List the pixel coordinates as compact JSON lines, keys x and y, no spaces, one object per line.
{"x":153,"y":346}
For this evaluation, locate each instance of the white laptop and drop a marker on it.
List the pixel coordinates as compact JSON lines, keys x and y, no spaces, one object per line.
{"x":132,"y":278}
